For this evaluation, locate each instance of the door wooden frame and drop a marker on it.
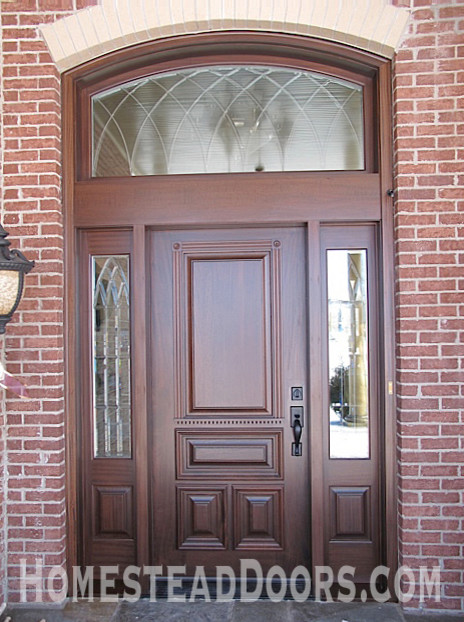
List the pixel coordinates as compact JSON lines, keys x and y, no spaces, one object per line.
{"x":173,"y":52}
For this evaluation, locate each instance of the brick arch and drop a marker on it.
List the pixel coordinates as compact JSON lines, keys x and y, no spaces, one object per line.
{"x":372,"y":25}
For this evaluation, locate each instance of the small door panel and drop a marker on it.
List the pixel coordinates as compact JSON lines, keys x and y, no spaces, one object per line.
{"x":259,"y":518}
{"x":350,"y":513}
{"x":226,"y":455}
{"x":201,"y":515}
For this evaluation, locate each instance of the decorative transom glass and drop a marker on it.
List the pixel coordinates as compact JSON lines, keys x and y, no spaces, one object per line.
{"x":228,"y":119}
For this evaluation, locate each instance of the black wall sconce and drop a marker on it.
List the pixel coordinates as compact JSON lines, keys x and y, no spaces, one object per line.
{"x":13,"y":267}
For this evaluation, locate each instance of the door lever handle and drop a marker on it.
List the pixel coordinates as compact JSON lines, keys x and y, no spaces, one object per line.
{"x":297,"y":423}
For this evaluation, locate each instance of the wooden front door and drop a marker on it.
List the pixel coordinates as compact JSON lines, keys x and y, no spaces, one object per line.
{"x":228,"y":374}
{"x":211,"y":316}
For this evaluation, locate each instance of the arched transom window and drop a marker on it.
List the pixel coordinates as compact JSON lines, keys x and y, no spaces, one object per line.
{"x":226,"y":119}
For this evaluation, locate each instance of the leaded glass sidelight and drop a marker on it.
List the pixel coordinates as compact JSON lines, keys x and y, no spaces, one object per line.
{"x":111,"y":356}
{"x":228,"y":119}
{"x":348,"y":353}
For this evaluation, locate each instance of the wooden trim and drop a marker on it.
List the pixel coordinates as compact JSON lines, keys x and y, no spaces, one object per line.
{"x":71,"y":361}
{"x":139,"y":392}
{"x":187,"y":200}
{"x":390,"y":544}
{"x":316,"y":382}
{"x":105,"y":70}
{"x":370,"y":133}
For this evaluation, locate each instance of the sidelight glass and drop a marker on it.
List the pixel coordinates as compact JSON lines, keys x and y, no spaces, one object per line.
{"x":348,"y":353}
{"x":226,"y":119}
{"x":111,"y":356}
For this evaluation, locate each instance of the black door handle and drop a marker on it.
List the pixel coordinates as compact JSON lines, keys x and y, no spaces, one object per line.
{"x":297,"y":423}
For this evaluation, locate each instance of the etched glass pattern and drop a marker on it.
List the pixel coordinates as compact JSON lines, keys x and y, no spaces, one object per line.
{"x":111,"y":352}
{"x":348,"y":353}
{"x":228,"y":119}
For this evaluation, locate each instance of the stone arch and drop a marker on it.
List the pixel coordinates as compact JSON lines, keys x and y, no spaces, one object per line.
{"x":372,"y":25}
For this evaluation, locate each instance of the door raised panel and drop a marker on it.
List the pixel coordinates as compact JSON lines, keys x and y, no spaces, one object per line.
{"x":201,"y":518}
{"x":350,"y":513}
{"x":113,"y":511}
{"x":227,"y":327}
{"x":258,"y":518}
{"x":229,"y":334}
{"x":229,"y":455}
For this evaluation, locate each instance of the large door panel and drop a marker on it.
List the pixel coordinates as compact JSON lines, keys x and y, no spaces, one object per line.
{"x":228,"y":341}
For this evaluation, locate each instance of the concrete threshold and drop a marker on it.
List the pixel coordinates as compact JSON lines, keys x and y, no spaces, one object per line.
{"x":260,"y":611}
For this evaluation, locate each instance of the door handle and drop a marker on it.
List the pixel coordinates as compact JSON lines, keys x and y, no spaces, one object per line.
{"x":297,"y":423}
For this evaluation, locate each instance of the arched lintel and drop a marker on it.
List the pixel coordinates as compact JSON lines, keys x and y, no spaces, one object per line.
{"x":374,"y":26}
{"x":176,"y":52}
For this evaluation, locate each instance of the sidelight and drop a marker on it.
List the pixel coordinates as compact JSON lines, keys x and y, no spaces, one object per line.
{"x":228,"y":119}
{"x":111,"y":356}
{"x":348,"y":353}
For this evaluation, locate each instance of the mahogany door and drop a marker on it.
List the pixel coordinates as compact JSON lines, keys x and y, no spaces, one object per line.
{"x":221,"y":322}
{"x":228,"y":345}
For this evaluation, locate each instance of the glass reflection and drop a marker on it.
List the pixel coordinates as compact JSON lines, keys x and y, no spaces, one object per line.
{"x":348,"y":353}
{"x":111,"y":351}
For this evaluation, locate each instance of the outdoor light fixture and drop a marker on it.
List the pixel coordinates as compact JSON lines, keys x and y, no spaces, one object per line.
{"x":13,"y":267}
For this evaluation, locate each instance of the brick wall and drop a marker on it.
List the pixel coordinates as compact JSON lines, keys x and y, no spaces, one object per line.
{"x":2,"y":395}
{"x":429,"y":123}
{"x":34,"y":342}
{"x":2,"y":494}
{"x":2,"y":485}
{"x":429,"y":141}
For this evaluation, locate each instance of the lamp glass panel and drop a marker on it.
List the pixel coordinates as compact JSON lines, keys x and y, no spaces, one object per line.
{"x":228,"y":119}
{"x":348,"y":353}
{"x":9,"y":285}
{"x":111,"y":356}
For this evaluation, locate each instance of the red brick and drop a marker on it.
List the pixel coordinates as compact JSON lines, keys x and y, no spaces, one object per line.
{"x":453,"y":456}
{"x":439,"y":443}
{"x":451,"y":11}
